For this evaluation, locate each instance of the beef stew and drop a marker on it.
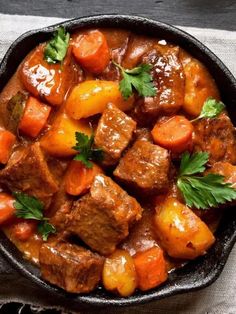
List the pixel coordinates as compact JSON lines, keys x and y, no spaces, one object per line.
{"x":84,"y":102}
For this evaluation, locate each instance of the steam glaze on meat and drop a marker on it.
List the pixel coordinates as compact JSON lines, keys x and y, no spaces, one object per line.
{"x":106,"y":178}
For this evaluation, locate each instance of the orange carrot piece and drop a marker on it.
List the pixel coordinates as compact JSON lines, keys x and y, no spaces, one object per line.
{"x":24,"y":229}
{"x":91,"y":51}
{"x":47,"y":80}
{"x":34,"y":117}
{"x":7,"y":209}
{"x":7,"y":140}
{"x":79,"y":178}
{"x":174,"y":133}
{"x":151,"y":268}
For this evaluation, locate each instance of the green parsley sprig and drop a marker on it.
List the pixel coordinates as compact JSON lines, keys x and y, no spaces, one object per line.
{"x":29,"y":207}
{"x":87,"y":151}
{"x":211,"y":109}
{"x":138,"y":78}
{"x":55,"y":50}
{"x":202,"y":192}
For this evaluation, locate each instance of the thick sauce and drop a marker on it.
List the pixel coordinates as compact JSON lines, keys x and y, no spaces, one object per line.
{"x":175,"y":89}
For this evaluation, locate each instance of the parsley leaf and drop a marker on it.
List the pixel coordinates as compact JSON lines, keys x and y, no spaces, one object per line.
{"x":193,"y":164}
{"x":211,"y":109}
{"x":29,"y":207}
{"x":55,"y":50}
{"x":45,"y":229}
{"x":87,"y":151}
{"x":138,"y":78}
{"x":202,"y":191}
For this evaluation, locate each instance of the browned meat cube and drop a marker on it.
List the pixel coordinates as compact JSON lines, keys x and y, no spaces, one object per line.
{"x":102,"y":217}
{"x":143,"y":134}
{"x":142,"y":236}
{"x":70,"y":267}
{"x":114,"y":133}
{"x":60,"y":208}
{"x":217,"y":137}
{"x":168,"y":78}
{"x":145,"y":168}
{"x":118,"y":44}
{"x":27,"y":171}
{"x":225,"y":169}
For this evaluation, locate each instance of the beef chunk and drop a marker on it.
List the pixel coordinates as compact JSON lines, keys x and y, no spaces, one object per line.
{"x":111,"y":73}
{"x":137,"y":47}
{"x":143,"y":134}
{"x":27,"y":171}
{"x":225,"y":169}
{"x":70,"y":267}
{"x":142,"y":235}
{"x":102,"y":217}
{"x":118,"y":50}
{"x":144,"y":168}
{"x":217,"y":137}
{"x":60,"y":208}
{"x":114,"y":133}
{"x":168,"y":78}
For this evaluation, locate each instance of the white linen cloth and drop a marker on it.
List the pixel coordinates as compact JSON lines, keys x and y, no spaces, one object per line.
{"x":220,"y":296}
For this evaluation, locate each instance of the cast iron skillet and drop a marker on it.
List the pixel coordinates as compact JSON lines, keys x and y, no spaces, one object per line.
{"x":196,"y":274}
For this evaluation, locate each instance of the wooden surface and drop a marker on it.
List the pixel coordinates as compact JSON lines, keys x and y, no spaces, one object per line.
{"x":198,"y":13}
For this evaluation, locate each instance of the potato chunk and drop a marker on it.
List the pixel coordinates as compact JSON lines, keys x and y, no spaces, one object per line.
{"x":199,"y":85}
{"x":60,"y":139}
{"x":119,"y":273}
{"x":181,"y":232}
{"x":91,"y":97}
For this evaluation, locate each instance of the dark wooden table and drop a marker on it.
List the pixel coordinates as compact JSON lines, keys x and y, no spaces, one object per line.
{"x":200,"y":13}
{"x":196,"y":13}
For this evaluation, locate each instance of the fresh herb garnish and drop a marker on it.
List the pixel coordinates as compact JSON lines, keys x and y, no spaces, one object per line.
{"x":138,"y":78}
{"x":55,"y":50}
{"x":202,"y":191}
{"x":29,"y":207}
{"x":45,"y":229}
{"x":87,"y":151}
{"x":211,"y":109}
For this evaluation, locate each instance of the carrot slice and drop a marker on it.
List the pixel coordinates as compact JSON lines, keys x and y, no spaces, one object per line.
{"x":91,"y":51}
{"x":174,"y":133}
{"x":151,"y":268}
{"x":7,"y":140}
{"x":34,"y":117}
{"x":7,"y":209}
{"x":79,"y":178}
{"x":24,"y":229}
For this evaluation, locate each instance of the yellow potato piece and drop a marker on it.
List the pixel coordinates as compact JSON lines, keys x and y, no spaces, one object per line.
{"x":60,"y":139}
{"x":199,"y":85}
{"x":119,"y":273}
{"x":91,"y":97}
{"x":182,"y":233}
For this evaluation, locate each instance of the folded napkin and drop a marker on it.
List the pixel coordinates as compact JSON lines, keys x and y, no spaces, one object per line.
{"x":218,"y":298}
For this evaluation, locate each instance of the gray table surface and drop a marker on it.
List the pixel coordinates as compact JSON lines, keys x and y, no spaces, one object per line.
{"x":197,"y":13}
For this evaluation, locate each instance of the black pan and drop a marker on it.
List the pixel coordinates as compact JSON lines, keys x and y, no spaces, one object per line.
{"x":196,"y":274}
